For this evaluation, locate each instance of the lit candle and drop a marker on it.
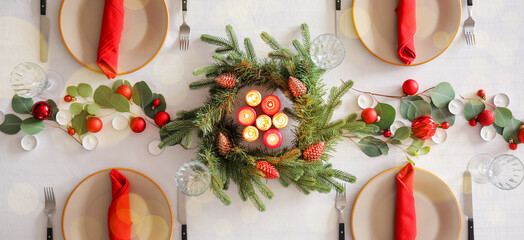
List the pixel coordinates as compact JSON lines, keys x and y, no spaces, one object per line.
{"x":250,"y":134}
{"x":270,"y":105}
{"x":246,"y":116}
{"x":253,"y":98}
{"x":263,"y":122}
{"x":272,"y":138}
{"x":280,"y":120}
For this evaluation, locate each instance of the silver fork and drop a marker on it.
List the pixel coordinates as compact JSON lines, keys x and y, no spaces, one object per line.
{"x":184,"y":29}
{"x":50,"y":208}
{"x":340,"y":204}
{"x":469,"y":25}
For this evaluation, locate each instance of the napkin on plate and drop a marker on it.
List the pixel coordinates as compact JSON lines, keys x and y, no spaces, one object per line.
{"x":407,"y":25}
{"x":119,"y":218}
{"x":405,"y":216}
{"x":110,"y":34}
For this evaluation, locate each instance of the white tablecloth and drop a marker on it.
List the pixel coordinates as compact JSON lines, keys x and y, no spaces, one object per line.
{"x":494,"y":64}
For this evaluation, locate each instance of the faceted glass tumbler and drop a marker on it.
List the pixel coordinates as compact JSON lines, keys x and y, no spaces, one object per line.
{"x":327,"y":51}
{"x":505,"y":171}
{"x":28,"y":80}
{"x":193,"y":178}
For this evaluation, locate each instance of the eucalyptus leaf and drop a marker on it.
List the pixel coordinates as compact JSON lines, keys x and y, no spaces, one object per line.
{"x":72,"y":91}
{"x":11,"y":124}
{"x":402,"y":133}
{"x":79,"y":123}
{"x":92,"y":108}
{"x":128,"y":83}
{"x":22,"y":105}
{"x":473,"y":108}
{"x":150,"y":112}
{"x":423,"y":151}
{"x":405,"y":103}
{"x":117,"y":84}
{"x":441,"y":115}
{"x":54,"y":109}
{"x":120,"y":103}
{"x":76,"y":108}
{"x":442,"y":94}
{"x":415,"y":146}
{"x":142,"y":94}
{"x":503,"y":116}
{"x":511,"y":131}
{"x":373,"y":147}
{"x":32,"y":126}
{"x":499,"y":129}
{"x":419,"y":108}
{"x":395,"y":141}
{"x":387,"y":115}
{"x":85,"y":90}
{"x":103,"y":95}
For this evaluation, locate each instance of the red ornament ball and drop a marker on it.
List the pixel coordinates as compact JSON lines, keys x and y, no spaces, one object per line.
{"x":387,"y":133}
{"x":156,"y":102}
{"x":125,"y":91}
{"x":521,"y":135}
{"x":369,"y":115}
{"x":41,"y":110}
{"x":94,"y":124}
{"x":162,"y":118}
{"x":424,"y":127}
{"x":445,"y":125}
{"x":137,"y":124}
{"x":486,"y":118}
{"x":473,"y":122}
{"x":71,"y":131}
{"x":482,"y":94}
{"x":68,"y":98}
{"x":410,"y":87}
{"x":513,"y":146}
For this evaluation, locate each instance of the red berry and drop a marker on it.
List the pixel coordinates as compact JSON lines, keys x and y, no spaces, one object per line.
{"x":521,"y":134}
{"x":473,"y":122}
{"x":94,"y":124}
{"x":387,"y":133}
{"x":156,"y":102}
{"x":410,"y":87}
{"x":445,"y":125}
{"x":513,"y":146}
{"x":482,"y":94}
{"x":137,"y":124}
{"x":369,"y":115}
{"x":486,"y":118}
{"x":68,"y":98}
{"x":125,"y":91}
{"x":162,"y":118}
{"x":71,"y":131}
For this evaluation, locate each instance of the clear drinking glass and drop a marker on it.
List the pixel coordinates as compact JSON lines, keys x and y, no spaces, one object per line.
{"x":505,"y":171}
{"x":193,"y":178}
{"x":327,"y":51}
{"x":29,"y":80}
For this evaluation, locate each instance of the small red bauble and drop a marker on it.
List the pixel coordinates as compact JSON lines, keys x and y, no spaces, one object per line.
{"x":410,"y":87}
{"x":486,"y":118}
{"x":156,"y":102}
{"x":71,"y":131}
{"x":445,"y":125}
{"x":162,"y":118}
{"x":387,"y":133}
{"x":137,"y":124}
{"x":482,"y":94}
{"x":41,"y":110}
{"x":94,"y":124}
{"x":513,"y":146}
{"x":473,"y":122}
{"x":424,"y":127}
{"x":369,"y":115}
{"x":125,"y":91}
{"x":521,"y":135}
{"x":68,"y":98}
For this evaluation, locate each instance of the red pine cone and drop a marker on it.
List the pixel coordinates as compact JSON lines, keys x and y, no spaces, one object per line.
{"x":313,"y":152}
{"x":226,"y":80}
{"x":223,"y":144}
{"x":297,"y":87}
{"x":268,"y":170}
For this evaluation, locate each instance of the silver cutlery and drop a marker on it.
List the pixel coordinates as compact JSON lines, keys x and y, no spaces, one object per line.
{"x":44,"y":29}
{"x":49,"y":209}
{"x":469,"y":25}
{"x":338,"y":13}
{"x":181,"y":213}
{"x":184,"y":29}
{"x":468,"y":203}
{"x":340,"y":204}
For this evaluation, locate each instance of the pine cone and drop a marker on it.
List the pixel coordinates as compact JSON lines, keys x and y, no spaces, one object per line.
{"x":268,"y":170}
{"x":313,"y":152}
{"x":297,"y":87}
{"x":223,"y":144}
{"x":226,"y":80}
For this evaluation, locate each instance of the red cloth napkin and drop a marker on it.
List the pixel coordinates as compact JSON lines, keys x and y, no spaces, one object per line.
{"x":405,"y":216}
{"x":110,"y":34}
{"x":407,"y":25}
{"x":119,"y":217}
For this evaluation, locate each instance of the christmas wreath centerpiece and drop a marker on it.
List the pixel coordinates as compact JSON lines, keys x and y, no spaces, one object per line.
{"x":315,"y":134}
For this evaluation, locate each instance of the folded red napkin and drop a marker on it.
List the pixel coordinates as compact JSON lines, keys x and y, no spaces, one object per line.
{"x":405,"y":216}
{"x":110,"y":34}
{"x":407,"y":25}
{"x":119,"y":218}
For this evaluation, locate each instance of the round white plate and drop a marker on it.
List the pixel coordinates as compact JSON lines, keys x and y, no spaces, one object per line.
{"x":145,"y":29}
{"x":375,"y":22}
{"x":438,"y":212}
{"x":85,"y":212}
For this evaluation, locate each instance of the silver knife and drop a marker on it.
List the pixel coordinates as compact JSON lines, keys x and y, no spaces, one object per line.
{"x":468,"y":203}
{"x":181,"y":213}
{"x":44,"y":29}
{"x":337,"y":15}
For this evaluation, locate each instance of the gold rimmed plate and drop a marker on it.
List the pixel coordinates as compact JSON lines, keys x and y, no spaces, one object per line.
{"x":85,"y":212}
{"x":144,"y":33}
{"x":438,"y":22}
{"x":437,"y":209}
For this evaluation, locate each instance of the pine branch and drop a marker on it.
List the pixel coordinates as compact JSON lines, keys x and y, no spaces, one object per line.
{"x":223,"y":50}
{"x":250,"y":51}
{"x":306,"y":37}
{"x":233,"y":39}
{"x":300,"y":49}
{"x":218,"y":41}
{"x":208,"y":82}
{"x":270,"y":41}
{"x":263,"y":188}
